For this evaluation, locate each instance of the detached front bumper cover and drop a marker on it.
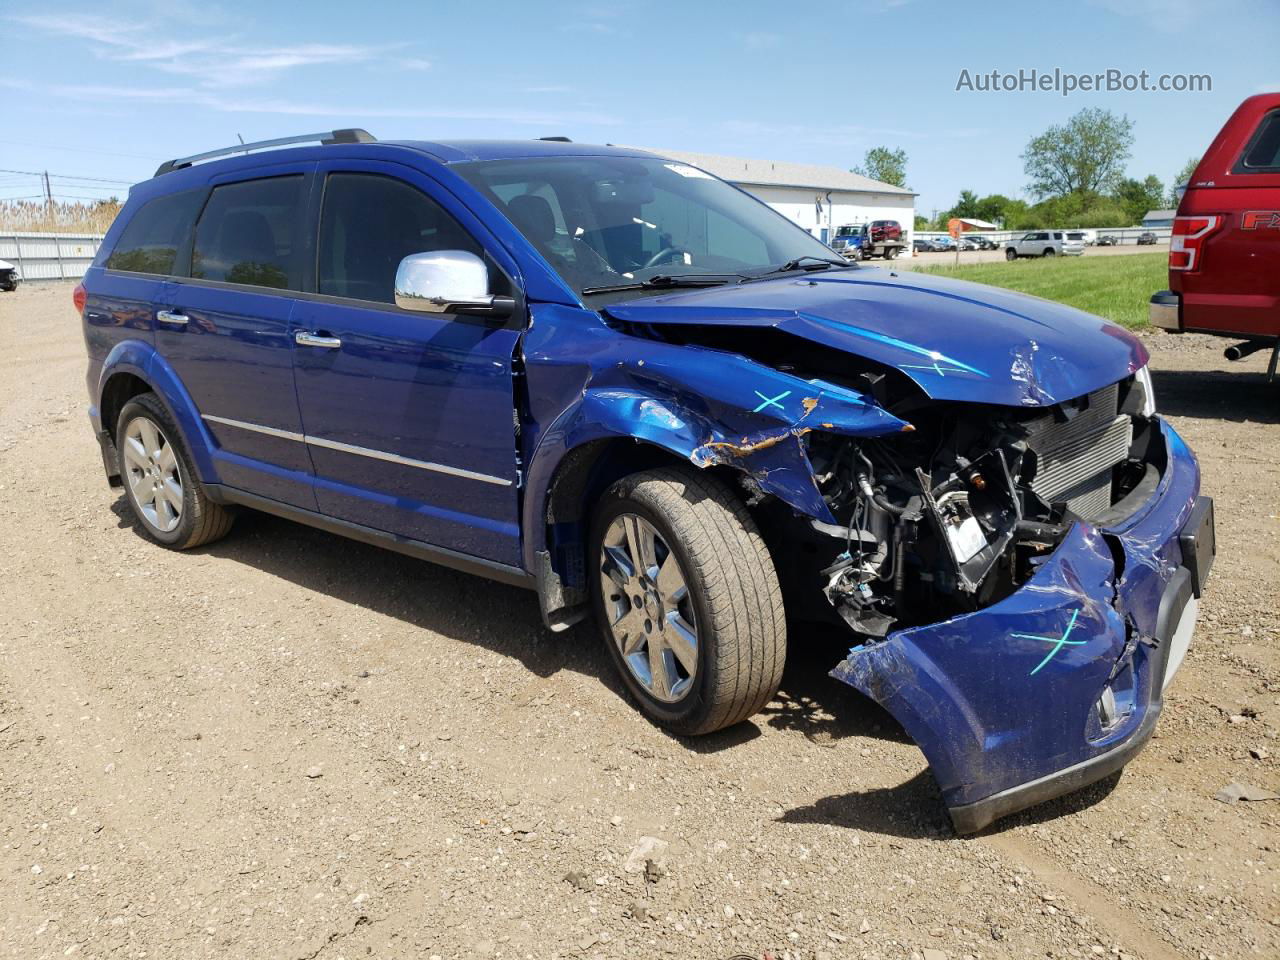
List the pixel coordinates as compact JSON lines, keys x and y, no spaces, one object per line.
{"x":1059,"y":684}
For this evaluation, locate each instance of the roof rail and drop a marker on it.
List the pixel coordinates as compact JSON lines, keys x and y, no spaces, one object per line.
{"x":350,"y":135}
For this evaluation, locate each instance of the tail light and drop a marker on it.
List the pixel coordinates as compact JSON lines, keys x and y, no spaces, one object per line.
{"x":1187,"y":240}
{"x":78,"y":297}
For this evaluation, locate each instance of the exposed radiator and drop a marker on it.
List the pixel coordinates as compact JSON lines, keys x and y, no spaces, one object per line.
{"x":1073,"y":459}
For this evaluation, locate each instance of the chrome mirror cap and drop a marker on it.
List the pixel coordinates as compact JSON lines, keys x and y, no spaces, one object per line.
{"x":442,"y":282}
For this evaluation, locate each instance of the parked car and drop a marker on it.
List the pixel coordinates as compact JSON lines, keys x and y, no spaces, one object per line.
{"x":922,"y":245}
{"x":1043,"y":243}
{"x":969,"y":243}
{"x":944,"y":244}
{"x":9,"y":278}
{"x":1108,"y":240}
{"x":879,"y":238}
{"x":1224,"y":253}
{"x":1147,"y":239}
{"x":982,"y":241}
{"x":533,"y":361}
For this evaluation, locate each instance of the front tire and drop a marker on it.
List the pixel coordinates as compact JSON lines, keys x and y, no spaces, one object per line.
{"x":1011,"y":254}
{"x":1050,"y":252}
{"x":687,"y":599}
{"x":160,"y":481}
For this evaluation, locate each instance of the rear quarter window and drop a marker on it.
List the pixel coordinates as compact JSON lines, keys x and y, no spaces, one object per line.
{"x":152,"y":238}
{"x":1262,"y":155}
{"x":248,"y":234}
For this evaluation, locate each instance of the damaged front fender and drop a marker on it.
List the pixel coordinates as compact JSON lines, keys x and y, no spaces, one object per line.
{"x":709,"y":407}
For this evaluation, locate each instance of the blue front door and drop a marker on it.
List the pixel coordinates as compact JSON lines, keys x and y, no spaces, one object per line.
{"x":409,"y":417}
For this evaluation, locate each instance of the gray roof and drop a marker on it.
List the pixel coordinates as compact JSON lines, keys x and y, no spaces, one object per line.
{"x":773,"y":173}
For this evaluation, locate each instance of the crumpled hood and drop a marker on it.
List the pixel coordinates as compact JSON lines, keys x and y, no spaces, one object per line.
{"x":957,"y":340}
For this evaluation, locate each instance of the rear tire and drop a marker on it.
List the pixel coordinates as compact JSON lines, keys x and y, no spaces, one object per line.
{"x":160,"y":482}
{"x":722,"y":586}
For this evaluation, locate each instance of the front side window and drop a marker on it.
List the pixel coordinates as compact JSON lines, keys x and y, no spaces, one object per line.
{"x":247,"y":234}
{"x":608,"y":221}
{"x":151,"y":240}
{"x":369,"y":223}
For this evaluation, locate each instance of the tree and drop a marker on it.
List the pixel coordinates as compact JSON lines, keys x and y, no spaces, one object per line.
{"x":1181,"y":178}
{"x":885,"y":165}
{"x":1084,"y":157}
{"x":922,"y":222}
{"x":1136,"y":197}
{"x":997,"y":208}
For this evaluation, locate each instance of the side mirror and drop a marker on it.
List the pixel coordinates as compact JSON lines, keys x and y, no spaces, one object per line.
{"x":447,"y":281}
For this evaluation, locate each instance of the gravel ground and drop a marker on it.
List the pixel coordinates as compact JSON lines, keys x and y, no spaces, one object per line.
{"x":289,"y":745}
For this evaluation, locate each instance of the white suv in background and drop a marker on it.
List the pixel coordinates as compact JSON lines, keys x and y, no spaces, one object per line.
{"x":1043,"y":243}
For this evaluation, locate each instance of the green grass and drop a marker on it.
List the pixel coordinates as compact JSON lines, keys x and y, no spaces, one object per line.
{"x":1115,"y":287}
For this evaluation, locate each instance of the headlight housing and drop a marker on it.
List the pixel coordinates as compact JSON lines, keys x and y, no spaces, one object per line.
{"x":1143,"y":379}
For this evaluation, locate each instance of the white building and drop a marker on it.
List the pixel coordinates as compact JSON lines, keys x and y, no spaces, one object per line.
{"x":818,"y":198}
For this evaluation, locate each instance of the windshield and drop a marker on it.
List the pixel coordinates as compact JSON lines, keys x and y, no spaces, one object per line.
{"x":609,"y":221}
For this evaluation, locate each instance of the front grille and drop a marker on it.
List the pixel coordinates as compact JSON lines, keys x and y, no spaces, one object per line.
{"x":1074,"y":458}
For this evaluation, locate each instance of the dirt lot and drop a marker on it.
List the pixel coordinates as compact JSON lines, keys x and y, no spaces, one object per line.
{"x":289,"y":746}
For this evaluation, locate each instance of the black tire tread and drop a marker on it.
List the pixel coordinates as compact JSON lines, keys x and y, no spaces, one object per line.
{"x":741,"y":589}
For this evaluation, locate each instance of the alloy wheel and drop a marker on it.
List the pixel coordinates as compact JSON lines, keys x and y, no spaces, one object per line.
{"x":155,"y":482}
{"x":649,"y":608}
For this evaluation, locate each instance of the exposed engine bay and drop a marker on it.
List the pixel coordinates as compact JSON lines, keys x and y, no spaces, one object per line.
{"x":956,"y":514}
{"x":952,"y":514}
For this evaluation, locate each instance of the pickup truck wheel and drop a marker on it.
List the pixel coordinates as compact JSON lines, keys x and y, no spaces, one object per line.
{"x":1050,"y":252}
{"x":687,"y":599}
{"x":160,"y":481}
{"x":1011,"y":254}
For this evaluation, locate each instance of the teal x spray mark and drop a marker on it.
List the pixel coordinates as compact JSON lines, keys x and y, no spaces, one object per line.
{"x":771,"y":401}
{"x":1058,"y":642}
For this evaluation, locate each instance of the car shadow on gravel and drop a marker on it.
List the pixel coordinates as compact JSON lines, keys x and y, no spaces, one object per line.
{"x":914,"y":809}
{"x":424,"y":595}
{"x":1238,"y":396}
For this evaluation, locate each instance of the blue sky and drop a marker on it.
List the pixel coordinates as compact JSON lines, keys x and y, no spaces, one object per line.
{"x":109,"y":90}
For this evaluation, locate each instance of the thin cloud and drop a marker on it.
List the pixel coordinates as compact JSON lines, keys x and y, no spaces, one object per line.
{"x":212,"y":62}
{"x":1167,"y":16}
{"x":760,"y":40}
{"x":212,"y":100}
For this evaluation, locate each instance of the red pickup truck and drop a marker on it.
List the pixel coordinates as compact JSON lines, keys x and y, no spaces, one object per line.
{"x":1224,"y":254}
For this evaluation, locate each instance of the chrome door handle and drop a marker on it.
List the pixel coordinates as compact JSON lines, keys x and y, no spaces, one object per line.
{"x":304,"y":339}
{"x":173,"y":317}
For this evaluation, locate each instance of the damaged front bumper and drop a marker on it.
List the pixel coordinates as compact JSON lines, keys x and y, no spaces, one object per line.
{"x":1060,"y":683}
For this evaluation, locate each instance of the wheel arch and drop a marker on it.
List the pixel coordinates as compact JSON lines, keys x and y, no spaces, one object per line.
{"x":133,"y":368}
{"x":560,"y":527}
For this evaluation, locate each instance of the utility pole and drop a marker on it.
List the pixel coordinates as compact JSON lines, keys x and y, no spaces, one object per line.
{"x":48,"y":194}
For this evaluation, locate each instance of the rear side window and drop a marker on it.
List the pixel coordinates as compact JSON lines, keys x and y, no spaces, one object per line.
{"x":368,"y":224}
{"x":151,"y":240}
{"x":247,"y":234}
{"x":1263,"y":153}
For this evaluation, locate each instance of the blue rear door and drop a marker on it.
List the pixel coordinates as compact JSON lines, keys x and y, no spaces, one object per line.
{"x":225,"y":329}
{"x":409,"y":417}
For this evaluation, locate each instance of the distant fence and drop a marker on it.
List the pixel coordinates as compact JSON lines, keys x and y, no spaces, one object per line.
{"x":50,"y":256}
{"x":1123,"y":235}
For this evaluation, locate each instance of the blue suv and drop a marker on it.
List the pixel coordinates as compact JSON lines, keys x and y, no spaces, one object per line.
{"x":636,"y":390}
